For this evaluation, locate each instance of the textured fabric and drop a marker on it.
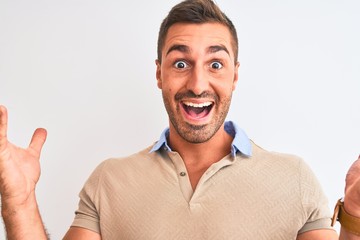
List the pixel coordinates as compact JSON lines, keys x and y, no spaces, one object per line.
{"x":145,"y":196}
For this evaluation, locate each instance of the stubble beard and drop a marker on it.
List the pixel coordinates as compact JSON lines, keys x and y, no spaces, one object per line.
{"x":198,"y":133}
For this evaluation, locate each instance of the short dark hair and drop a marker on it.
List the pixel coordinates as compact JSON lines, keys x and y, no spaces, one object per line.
{"x":196,"y":11}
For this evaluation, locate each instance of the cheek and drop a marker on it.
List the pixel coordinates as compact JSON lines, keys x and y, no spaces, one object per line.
{"x":167,"y":90}
{"x":171,"y":85}
{"x":224,"y":84}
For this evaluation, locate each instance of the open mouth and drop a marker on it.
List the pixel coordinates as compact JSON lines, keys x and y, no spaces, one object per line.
{"x":197,"y":110}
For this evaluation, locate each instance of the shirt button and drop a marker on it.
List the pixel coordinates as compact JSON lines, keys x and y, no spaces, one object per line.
{"x":183,"y":174}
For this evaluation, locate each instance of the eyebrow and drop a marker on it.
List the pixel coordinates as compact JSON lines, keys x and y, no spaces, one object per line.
{"x":185,"y":49}
{"x":179,"y":47}
{"x":218,"y":48}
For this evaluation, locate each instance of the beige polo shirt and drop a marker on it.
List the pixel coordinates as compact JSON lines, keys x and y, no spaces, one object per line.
{"x":148,"y":196}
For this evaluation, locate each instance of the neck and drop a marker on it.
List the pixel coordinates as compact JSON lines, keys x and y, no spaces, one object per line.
{"x":204,"y":153}
{"x":198,"y":157}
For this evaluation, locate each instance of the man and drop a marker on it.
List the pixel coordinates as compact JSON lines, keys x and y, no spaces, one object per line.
{"x":203,"y":179}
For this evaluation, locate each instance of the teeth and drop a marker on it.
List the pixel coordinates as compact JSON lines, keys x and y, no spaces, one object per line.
{"x":197,"y":105}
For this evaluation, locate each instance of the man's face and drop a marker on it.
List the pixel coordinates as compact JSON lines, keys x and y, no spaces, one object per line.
{"x":197,"y":76}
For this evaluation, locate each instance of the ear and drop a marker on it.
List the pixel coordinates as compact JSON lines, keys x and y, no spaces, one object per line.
{"x":236,"y":75}
{"x":158,"y":73}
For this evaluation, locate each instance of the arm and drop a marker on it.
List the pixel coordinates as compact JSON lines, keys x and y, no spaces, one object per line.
{"x":77,"y":233}
{"x":351,"y":205}
{"x":352,"y":198}
{"x":19,"y":173}
{"x":320,"y":234}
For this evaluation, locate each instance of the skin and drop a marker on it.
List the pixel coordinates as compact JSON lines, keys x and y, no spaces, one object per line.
{"x":352,"y":197}
{"x":196,"y":75}
{"x":19,"y":173}
{"x":179,"y":83}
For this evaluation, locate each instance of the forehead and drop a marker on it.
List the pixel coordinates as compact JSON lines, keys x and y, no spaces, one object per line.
{"x":197,"y":37}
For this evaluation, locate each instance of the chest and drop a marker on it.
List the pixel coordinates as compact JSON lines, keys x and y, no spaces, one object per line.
{"x":226,"y":205}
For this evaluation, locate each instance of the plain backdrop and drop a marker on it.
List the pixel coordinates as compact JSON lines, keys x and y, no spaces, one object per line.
{"x":85,"y":71}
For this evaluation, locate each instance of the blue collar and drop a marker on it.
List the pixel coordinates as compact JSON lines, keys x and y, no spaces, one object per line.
{"x":241,"y":142}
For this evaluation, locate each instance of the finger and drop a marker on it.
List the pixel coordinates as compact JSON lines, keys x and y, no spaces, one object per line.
{"x":3,"y":125}
{"x":38,"y":139}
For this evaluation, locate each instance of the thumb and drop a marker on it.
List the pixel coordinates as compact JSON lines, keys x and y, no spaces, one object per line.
{"x":353,"y":174}
{"x":38,"y":139}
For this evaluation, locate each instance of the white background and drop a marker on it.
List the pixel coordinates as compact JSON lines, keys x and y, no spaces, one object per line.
{"x":84,"y":70}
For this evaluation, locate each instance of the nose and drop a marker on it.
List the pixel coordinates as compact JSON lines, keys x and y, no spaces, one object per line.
{"x":198,"y":80}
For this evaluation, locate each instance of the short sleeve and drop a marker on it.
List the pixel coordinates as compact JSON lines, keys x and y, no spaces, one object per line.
{"x":314,"y":201}
{"x":86,"y":216}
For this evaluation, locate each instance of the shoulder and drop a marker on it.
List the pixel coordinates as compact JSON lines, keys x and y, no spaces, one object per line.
{"x":116,"y":165}
{"x":281,"y":166}
{"x":140,"y":165}
{"x":276,"y":159}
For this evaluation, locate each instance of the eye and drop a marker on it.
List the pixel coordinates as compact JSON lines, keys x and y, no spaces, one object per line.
{"x":180,"y":64}
{"x":216,"y":65}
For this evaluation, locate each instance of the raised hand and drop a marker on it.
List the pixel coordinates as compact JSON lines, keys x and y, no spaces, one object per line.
{"x":19,"y":173}
{"x":19,"y":168}
{"x":352,"y":203}
{"x":352,"y":189}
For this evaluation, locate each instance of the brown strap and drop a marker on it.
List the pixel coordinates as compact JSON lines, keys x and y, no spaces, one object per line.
{"x":347,"y":221}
